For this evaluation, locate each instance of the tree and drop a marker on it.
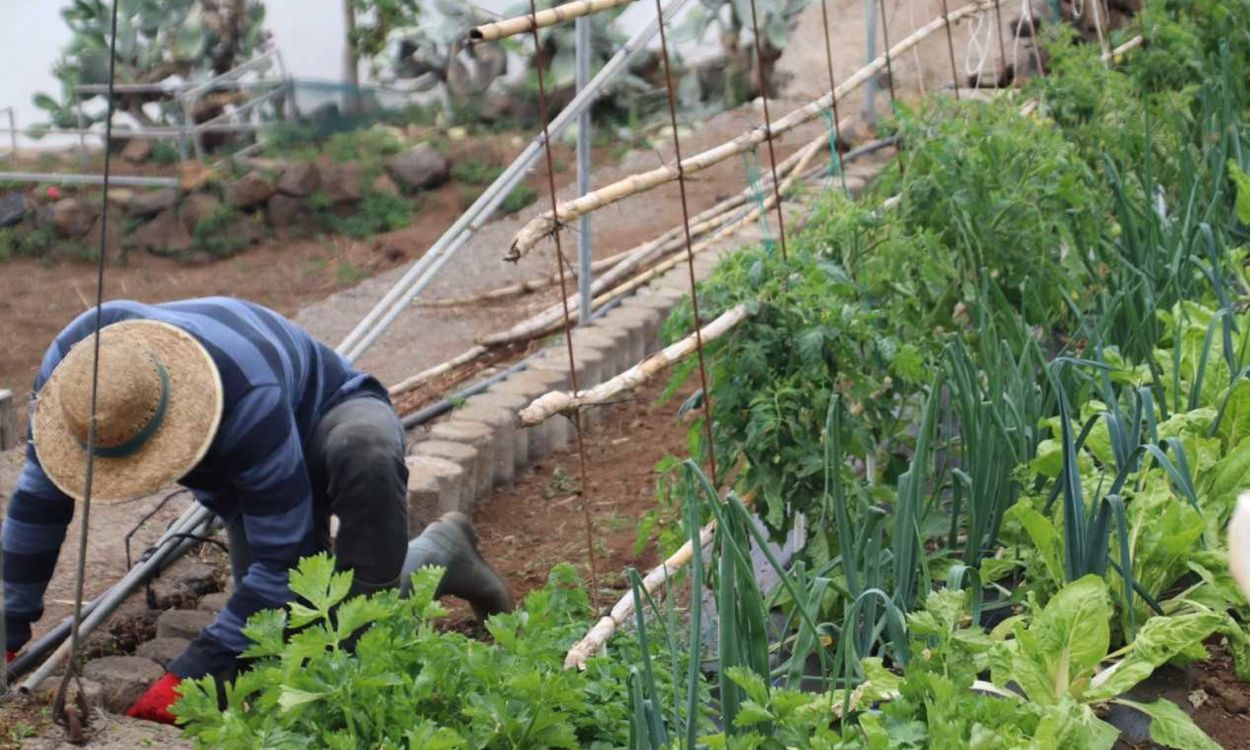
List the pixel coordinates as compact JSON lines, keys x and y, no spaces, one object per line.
{"x":732,"y":18}
{"x":156,"y":40}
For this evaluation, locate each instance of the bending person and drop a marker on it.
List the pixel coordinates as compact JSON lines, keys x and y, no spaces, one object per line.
{"x":270,"y":429}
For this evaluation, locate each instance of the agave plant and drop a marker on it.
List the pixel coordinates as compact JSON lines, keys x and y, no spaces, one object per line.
{"x":156,"y":40}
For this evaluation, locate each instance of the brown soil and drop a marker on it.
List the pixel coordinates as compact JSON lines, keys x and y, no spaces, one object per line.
{"x":1209,"y":692}
{"x":537,"y":522}
{"x":39,"y":297}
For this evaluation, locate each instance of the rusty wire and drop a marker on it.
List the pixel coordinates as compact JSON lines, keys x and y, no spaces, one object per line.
{"x":564,"y":299}
{"x":1002,"y":48}
{"x":685,"y":222}
{"x":74,"y":717}
{"x":833,"y":89}
{"x":950,"y":48}
{"x":768,"y":127}
{"x":889,"y":70}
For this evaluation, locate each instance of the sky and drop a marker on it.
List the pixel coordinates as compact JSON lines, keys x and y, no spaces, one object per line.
{"x":309,"y":34}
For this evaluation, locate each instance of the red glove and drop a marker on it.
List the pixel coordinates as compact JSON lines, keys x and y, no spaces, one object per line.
{"x":9,"y":656}
{"x":156,"y":702}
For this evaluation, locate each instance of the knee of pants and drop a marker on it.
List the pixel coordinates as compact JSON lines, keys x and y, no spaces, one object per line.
{"x":364,"y":453}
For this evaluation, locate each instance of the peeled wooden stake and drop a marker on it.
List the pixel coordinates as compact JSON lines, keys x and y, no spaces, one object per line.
{"x":560,"y":402}
{"x":521,"y":24}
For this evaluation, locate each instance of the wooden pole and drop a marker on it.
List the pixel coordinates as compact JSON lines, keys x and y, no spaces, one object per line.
{"x":563,"y":402}
{"x":524,"y":24}
{"x":546,"y":223}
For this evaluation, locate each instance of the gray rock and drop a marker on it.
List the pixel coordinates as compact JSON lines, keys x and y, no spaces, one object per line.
{"x":195,"y":208}
{"x":92,"y":691}
{"x":162,"y":650}
{"x":184,"y":583}
{"x":214,"y":602}
{"x":299,"y":179}
{"x":287,"y":213}
{"x":384,"y":185}
{"x":12,"y":208}
{"x":343,"y":183}
{"x":163,"y":235}
{"x":124,"y":678}
{"x":137,"y":150}
{"x":249,"y":191}
{"x":72,"y":218}
{"x":419,"y":167}
{"x":152,"y":202}
{"x":183,"y":623}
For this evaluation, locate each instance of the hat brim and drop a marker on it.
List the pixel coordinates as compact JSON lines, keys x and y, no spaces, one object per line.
{"x":190,"y":424}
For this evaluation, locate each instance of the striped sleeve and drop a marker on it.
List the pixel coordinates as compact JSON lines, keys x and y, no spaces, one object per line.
{"x":261,"y":449}
{"x":34,"y":529}
{"x":38,"y":513}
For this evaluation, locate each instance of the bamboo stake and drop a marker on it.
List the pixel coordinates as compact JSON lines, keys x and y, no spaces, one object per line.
{"x":606,"y":627}
{"x":562,"y":402}
{"x":524,"y":330}
{"x":545,"y":224}
{"x":519,"y":289}
{"x":490,"y":32}
{"x":603,"y":630}
{"x":670,"y":240}
{"x":427,"y":375}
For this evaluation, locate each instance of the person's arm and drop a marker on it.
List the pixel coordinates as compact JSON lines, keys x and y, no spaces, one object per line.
{"x":34,"y":529}
{"x":275,"y":498}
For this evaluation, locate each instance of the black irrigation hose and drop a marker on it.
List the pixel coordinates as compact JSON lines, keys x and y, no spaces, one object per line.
{"x":861,"y":151}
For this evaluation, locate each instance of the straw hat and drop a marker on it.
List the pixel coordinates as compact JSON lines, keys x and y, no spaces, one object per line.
{"x":158,"y":406}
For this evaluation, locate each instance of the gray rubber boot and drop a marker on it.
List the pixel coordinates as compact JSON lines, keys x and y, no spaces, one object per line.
{"x":451,"y":543}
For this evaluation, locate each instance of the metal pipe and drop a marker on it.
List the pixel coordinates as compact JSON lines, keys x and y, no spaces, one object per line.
{"x":187,"y":523}
{"x":584,"y":251}
{"x":413,"y":281}
{"x":88,"y":179}
{"x":42,"y":646}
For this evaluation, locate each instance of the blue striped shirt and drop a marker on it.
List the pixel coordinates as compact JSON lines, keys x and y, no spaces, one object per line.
{"x":278,"y":382}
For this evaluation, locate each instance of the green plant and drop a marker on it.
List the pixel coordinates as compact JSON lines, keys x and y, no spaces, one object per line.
{"x":474,"y":172}
{"x":520,"y":197}
{"x":212,"y":234}
{"x":164,"y":153}
{"x":405,"y":683}
{"x":349,"y":274}
{"x":190,"y":39}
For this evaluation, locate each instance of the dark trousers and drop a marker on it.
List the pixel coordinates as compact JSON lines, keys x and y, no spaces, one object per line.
{"x":356,"y":464}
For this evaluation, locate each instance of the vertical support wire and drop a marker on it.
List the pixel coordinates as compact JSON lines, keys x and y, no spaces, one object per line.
{"x":685,"y":223}
{"x":568,"y":326}
{"x":889,"y":69}
{"x":889,"y":59}
{"x":1002,"y":48}
{"x":73,"y":720}
{"x":768,"y":125}
{"x":950,"y":48}
{"x":833,"y":94}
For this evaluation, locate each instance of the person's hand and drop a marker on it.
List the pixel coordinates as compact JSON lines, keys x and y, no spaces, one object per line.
{"x":154,"y":705}
{"x":9,"y":656}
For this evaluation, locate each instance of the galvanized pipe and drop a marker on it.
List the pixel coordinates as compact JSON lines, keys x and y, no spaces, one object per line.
{"x":584,"y":250}
{"x":422,"y":271}
{"x":193,"y":519}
